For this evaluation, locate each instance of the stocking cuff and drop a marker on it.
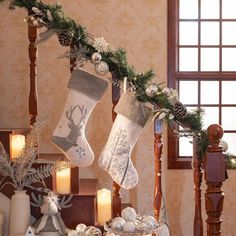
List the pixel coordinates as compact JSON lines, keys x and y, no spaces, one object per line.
{"x":131,"y":108}
{"x":88,"y":84}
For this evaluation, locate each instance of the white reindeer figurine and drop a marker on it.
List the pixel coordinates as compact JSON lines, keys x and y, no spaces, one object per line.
{"x":50,"y":223}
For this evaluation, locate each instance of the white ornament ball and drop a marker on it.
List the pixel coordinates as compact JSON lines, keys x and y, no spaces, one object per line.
{"x":35,"y":23}
{"x":129,"y":227}
{"x":80,"y":228}
{"x":91,"y":230}
{"x":101,"y":68}
{"x":31,"y":18}
{"x":96,"y":58}
{"x":150,"y":221}
{"x":151,"y":90}
{"x":118,"y":223}
{"x":129,"y":214}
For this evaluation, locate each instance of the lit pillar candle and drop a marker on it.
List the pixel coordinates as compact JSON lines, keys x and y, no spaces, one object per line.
{"x":17,"y":144}
{"x":63,"y":181}
{"x":104,"y":206}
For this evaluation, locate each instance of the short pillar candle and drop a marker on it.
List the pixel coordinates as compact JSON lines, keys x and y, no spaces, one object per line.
{"x":104,"y":206}
{"x":17,"y":144}
{"x":63,"y":181}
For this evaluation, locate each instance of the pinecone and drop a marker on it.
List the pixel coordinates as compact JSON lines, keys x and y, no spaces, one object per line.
{"x":65,"y":38}
{"x":180,"y":111}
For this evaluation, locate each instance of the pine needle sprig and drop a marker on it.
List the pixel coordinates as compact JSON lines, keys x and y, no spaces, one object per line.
{"x":20,"y":170}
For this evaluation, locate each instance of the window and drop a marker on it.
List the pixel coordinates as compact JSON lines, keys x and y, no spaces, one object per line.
{"x":202,"y":67}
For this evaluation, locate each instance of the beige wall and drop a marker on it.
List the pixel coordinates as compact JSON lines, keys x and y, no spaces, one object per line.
{"x":140,"y":26}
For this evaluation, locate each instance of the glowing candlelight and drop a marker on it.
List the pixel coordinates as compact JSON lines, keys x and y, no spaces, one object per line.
{"x":104,"y":206}
{"x":17,"y":144}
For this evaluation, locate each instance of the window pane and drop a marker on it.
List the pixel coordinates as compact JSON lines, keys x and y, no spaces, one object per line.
{"x":209,"y":92}
{"x":228,"y":92}
{"x":185,"y":147}
{"x":188,"y":33}
{"x":209,"y":33}
{"x":209,"y":59}
{"x":231,"y":140}
{"x":188,"y":59}
{"x":186,"y":88}
{"x":228,"y":59}
{"x":228,"y":9}
{"x":211,"y":116}
{"x":228,"y":118}
{"x":210,"y":9}
{"x":188,"y":9}
{"x":229,"y":33}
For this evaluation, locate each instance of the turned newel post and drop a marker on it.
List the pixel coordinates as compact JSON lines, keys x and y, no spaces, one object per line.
{"x":158,"y":144}
{"x":197,"y":177}
{"x":116,"y":197}
{"x":33,"y":97}
{"x":214,"y":177}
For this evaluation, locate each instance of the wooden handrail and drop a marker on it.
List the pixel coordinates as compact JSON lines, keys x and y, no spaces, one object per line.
{"x":158,"y":144}
{"x":214,"y":170}
{"x":116,"y":197}
{"x":197,"y":177}
{"x":33,"y":97}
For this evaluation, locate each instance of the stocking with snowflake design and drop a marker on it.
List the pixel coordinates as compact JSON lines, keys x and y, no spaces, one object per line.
{"x":116,"y":155}
{"x":85,"y":91}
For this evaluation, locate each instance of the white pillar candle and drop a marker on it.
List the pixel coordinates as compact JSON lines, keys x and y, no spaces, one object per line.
{"x":63,"y":181}
{"x":17,"y":144}
{"x":104,"y":205}
{"x":125,"y":85}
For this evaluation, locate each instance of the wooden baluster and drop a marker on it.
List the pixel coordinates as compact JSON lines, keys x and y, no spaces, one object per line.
{"x":33,"y":97}
{"x":197,"y":176}
{"x":74,"y":172}
{"x":158,"y":144}
{"x":116,"y":197}
{"x":214,"y":172}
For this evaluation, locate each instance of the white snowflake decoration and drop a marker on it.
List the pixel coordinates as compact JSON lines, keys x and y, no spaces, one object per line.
{"x":100,"y":44}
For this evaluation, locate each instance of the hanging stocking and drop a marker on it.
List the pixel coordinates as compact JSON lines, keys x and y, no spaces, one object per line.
{"x":116,"y":156}
{"x":85,"y":91}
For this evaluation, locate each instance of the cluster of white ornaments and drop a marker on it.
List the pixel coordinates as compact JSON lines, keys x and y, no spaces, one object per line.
{"x":130,"y":222}
{"x":82,"y":229}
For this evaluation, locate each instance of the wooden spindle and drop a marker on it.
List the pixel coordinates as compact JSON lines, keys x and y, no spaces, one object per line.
{"x":214,"y":176}
{"x":158,"y":144}
{"x":33,"y":97}
{"x":197,"y":177}
{"x":75,"y":179}
{"x":116,"y":197}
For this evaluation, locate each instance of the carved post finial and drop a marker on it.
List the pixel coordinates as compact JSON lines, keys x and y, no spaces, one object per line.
{"x":215,"y":133}
{"x":214,"y":176}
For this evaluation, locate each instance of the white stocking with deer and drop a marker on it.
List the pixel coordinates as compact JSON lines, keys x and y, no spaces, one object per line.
{"x":69,"y":135}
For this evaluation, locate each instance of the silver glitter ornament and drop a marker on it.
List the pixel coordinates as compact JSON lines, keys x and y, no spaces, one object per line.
{"x":96,"y":58}
{"x":151,"y":90}
{"x":101,"y":68}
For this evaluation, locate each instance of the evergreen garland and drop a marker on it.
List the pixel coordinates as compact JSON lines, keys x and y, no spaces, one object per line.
{"x":118,"y":64}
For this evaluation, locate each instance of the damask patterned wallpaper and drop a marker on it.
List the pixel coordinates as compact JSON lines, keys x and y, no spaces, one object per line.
{"x":140,"y":26}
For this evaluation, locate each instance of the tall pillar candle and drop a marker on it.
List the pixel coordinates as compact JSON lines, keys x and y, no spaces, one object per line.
{"x":104,"y":206}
